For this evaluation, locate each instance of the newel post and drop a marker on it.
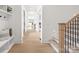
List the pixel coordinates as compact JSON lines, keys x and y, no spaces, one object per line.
{"x":61,"y":37}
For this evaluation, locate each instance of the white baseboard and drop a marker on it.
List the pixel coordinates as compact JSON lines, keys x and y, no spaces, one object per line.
{"x":45,"y":42}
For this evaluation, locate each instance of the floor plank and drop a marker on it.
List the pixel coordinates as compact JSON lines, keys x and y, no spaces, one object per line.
{"x":32,"y":44}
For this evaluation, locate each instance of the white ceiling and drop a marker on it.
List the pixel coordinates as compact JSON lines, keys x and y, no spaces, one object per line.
{"x":34,"y":8}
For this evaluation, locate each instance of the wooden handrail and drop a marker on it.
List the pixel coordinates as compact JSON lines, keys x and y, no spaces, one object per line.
{"x":72,"y":19}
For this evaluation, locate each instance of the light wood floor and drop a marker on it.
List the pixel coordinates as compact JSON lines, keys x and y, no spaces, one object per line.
{"x":32,"y":44}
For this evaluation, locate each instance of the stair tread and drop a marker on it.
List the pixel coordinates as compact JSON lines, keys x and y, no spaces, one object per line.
{"x":55,"y":45}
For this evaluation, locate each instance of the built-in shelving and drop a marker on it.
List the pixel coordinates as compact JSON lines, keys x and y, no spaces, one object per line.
{"x":8,"y":13}
{"x":2,"y":42}
{"x":5,"y":45}
{"x":6,"y":42}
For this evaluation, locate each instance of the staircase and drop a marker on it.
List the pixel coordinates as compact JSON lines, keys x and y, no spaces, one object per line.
{"x":71,"y":35}
{"x":68,"y":37}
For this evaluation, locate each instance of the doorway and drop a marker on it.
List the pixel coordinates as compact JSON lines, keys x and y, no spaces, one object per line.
{"x":33,"y":23}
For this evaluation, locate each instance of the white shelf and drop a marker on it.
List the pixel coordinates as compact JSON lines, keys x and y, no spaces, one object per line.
{"x":6,"y":50}
{"x":2,"y":42}
{"x":5,"y":12}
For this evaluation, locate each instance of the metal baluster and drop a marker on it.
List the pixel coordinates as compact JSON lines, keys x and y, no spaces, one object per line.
{"x":75,"y":32}
{"x":68,"y":39}
{"x":65,"y":39}
{"x":70,"y":34}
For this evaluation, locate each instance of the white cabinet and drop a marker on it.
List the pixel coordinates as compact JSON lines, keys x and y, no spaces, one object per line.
{"x":3,"y":7}
{"x":6,"y":9}
{"x":5,"y":45}
{"x":5,"y":42}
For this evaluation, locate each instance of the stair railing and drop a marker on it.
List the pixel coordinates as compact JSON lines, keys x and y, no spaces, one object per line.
{"x":69,"y":35}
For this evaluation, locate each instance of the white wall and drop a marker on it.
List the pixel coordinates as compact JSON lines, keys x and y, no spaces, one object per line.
{"x":52,"y":15}
{"x":36,"y":21}
{"x":15,"y":22}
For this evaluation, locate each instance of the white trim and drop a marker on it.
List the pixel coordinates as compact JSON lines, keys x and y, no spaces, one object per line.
{"x":5,"y":12}
{"x":6,"y":51}
{"x":41,"y":25}
{"x":5,"y":41}
{"x":53,"y":46}
{"x":21,"y":39}
{"x":45,"y":42}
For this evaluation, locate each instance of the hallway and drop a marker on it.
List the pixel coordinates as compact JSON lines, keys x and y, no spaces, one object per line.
{"x":32,"y":44}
